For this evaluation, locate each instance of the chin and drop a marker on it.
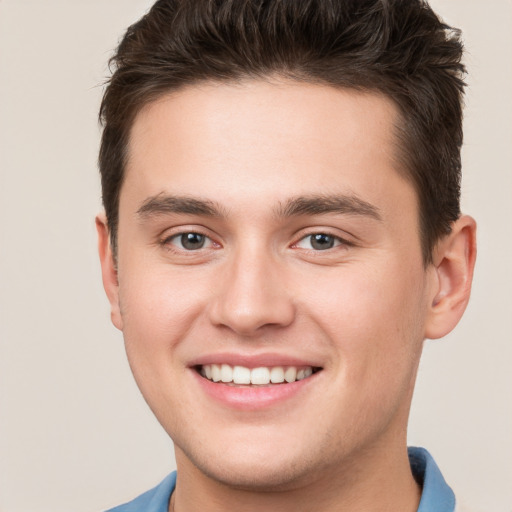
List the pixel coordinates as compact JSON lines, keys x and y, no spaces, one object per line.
{"x":260,"y":467}
{"x":262,"y":476}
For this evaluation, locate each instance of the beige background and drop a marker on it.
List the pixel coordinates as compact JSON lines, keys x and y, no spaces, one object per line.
{"x":74,"y":433}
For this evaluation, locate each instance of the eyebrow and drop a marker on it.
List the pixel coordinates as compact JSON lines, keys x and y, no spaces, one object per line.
{"x":164,"y":204}
{"x":325,"y":204}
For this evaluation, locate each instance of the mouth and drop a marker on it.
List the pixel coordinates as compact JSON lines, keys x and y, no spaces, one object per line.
{"x":255,"y":377}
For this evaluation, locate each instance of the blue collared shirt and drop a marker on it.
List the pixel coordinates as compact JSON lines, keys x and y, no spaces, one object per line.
{"x":436,"y":495}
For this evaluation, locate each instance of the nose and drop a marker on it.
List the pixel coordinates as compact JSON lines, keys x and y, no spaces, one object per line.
{"x":253,"y":294}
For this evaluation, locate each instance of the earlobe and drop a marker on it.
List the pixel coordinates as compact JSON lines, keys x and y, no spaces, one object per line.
{"x":454,"y":261}
{"x":108,"y":269}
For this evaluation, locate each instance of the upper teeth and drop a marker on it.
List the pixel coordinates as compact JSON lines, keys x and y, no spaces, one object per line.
{"x":262,"y":375}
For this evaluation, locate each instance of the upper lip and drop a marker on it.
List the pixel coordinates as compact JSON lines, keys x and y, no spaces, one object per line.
{"x":254,"y":360}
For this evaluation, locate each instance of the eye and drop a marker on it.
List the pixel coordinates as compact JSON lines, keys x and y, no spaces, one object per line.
{"x":189,"y":241}
{"x":319,"y":242}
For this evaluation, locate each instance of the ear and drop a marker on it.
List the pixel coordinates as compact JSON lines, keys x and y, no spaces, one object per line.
{"x":108,"y":270}
{"x":454,"y":261}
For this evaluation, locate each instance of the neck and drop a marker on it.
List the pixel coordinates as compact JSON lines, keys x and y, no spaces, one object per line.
{"x":380,"y":481}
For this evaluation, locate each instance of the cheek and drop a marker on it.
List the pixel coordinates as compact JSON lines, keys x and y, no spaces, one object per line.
{"x":374,"y":320}
{"x":158,"y":311}
{"x":376,"y":335}
{"x":154,"y":298}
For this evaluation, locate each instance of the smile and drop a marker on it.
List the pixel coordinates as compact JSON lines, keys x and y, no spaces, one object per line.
{"x":261,"y":376}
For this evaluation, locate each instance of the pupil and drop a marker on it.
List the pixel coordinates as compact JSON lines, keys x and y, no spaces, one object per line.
{"x":192,"y":241}
{"x":321,"y":241}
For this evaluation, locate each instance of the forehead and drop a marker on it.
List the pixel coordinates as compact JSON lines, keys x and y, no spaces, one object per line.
{"x":268,"y":138}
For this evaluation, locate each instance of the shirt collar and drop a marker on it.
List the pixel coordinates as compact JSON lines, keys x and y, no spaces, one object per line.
{"x":437,"y":495}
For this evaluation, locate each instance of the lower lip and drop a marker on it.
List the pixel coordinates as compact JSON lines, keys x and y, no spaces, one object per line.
{"x":253,"y":397}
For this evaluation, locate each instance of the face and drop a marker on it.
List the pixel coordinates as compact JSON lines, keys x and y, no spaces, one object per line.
{"x":270,"y":283}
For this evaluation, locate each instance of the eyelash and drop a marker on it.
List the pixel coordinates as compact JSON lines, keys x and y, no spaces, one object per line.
{"x":167,"y":241}
{"x":337,"y":241}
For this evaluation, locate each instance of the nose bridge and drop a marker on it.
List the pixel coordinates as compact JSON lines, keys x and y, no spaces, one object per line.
{"x":253,"y":292}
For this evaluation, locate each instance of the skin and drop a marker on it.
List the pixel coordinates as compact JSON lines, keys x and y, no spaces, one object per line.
{"x":359,"y":310}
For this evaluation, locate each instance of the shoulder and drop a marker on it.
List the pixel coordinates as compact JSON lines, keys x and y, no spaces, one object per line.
{"x":154,"y":500}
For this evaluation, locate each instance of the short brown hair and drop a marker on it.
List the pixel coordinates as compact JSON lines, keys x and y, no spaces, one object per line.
{"x":397,"y":47}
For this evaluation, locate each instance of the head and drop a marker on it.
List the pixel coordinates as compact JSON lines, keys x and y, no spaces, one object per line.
{"x":279,"y":201}
{"x":399,"y":48}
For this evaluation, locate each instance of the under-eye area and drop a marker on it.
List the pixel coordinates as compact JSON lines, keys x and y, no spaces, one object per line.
{"x":261,"y":376}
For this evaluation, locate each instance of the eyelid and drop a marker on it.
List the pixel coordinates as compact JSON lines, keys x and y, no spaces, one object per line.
{"x":168,"y":235}
{"x":208,"y":242}
{"x":319,"y":231}
{"x":336,"y":243}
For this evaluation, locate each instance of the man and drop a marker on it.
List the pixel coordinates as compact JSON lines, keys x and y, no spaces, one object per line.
{"x":281,"y":233}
